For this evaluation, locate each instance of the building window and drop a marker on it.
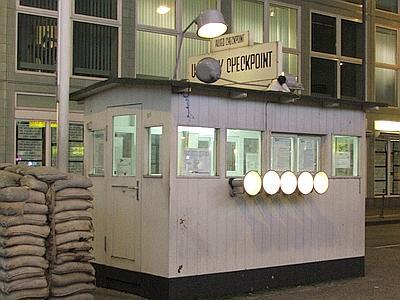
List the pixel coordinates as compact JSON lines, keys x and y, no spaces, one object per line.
{"x":37,"y":43}
{"x":196,"y":151}
{"x":387,"y":5}
{"x":97,"y":8}
{"x":386,"y":66}
{"x":243,"y":152}
{"x":249,"y":16}
{"x":154,"y":155}
{"x":336,"y":71}
{"x":296,"y":153}
{"x":30,"y":143}
{"x":345,"y":156}
{"x":44,"y":4}
{"x":157,"y":36}
{"x":95,"y":50}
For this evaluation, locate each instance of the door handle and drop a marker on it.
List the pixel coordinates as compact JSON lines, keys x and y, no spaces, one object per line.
{"x":130,"y":188}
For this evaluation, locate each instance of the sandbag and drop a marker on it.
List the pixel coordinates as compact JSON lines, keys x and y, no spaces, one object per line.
{"x":25,"y":219}
{"x":40,"y":231}
{"x":34,"y":184}
{"x":78,"y":256}
{"x":74,"y":193}
{"x":74,"y":236}
{"x":74,"y":267}
{"x":21,"y":273}
{"x":41,"y":293}
{"x":72,"y":278}
{"x":77,"y":204}
{"x":23,"y":284}
{"x":13,"y":194}
{"x":22,"y":240}
{"x":73,"y":181}
{"x":36,"y":197}
{"x":47,"y":174}
{"x":23,"y":261}
{"x":4,"y":165}
{"x":84,"y":296}
{"x":17,"y":169}
{"x":35,"y":209}
{"x":71,"y":215}
{"x":22,"y":250}
{"x":73,"y":289}
{"x":76,"y":225}
{"x":74,"y":247}
{"x":9,"y":179}
{"x":11,"y":208}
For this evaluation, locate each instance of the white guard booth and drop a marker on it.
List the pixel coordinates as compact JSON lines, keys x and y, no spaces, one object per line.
{"x":167,"y":223}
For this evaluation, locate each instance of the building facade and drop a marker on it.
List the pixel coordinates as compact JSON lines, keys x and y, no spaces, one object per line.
{"x":121,"y":38}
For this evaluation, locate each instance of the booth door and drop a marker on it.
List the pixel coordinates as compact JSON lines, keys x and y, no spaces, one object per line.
{"x":123,"y":199}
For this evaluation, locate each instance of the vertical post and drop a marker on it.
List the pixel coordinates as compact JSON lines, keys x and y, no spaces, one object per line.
{"x":364,"y":47}
{"x":63,"y":77}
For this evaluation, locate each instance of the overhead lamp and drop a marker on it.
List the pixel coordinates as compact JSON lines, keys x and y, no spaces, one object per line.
{"x":390,"y":126}
{"x":210,"y":24}
{"x":279,"y":85}
{"x":252,"y":183}
{"x":305,"y":183}
{"x":288,"y":183}
{"x":321,"y":182}
{"x":162,"y":9}
{"x":271,"y":182}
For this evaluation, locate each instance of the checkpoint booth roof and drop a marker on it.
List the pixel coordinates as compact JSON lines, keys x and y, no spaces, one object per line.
{"x":161,"y":155}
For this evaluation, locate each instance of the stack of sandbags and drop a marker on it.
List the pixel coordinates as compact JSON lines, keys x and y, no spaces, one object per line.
{"x":23,"y":232}
{"x":72,"y":275}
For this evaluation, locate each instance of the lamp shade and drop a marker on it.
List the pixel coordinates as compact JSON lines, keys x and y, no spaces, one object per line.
{"x":208,"y":70}
{"x":321,"y":182}
{"x":271,"y":182}
{"x":305,"y":183}
{"x":288,"y":183}
{"x":252,"y":183}
{"x":210,"y":24}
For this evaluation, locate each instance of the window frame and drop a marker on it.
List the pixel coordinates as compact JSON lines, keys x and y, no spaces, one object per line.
{"x":387,"y":11}
{"x":147,"y":142}
{"x":338,"y":57}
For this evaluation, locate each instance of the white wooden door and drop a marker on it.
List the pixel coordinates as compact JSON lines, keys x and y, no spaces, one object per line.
{"x":124,"y":186}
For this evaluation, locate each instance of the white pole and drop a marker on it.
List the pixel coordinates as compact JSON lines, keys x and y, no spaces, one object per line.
{"x":63,"y":76}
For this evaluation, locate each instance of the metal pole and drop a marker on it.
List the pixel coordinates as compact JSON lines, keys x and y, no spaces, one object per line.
{"x":63,"y":77}
{"x":365,"y":43}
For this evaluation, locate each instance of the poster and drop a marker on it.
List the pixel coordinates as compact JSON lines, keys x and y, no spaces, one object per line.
{"x":380,"y":173}
{"x":76,"y":132}
{"x":282,"y":154}
{"x":196,"y":161}
{"x":342,"y":160}
{"x":252,"y":162}
{"x":29,"y":149}
{"x":307,"y":155}
{"x":380,"y":187}
{"x":380,"y":159}
{"x":380,"y":146}
{"x":26,"y":132}
{"x":75,"y":167}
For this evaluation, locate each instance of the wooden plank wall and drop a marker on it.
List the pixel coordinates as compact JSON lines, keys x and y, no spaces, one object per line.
{"x":211,"y":232}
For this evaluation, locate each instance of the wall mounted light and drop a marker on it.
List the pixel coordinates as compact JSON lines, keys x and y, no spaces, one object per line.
{"x":305,"y":183}
{"x":271,"y":182}
{"x":252,"y":183}
{"x":288,"y":182}
{"x":321,"y":182}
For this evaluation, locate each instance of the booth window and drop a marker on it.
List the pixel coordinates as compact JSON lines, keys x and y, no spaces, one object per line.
{"x":387,"y":5}
{"x":196,"y":151}
{"x":43,"y":4}
{"x":296,"y":153}
{"x":124,"y":145}
{"x":243,"y":152}
{"x":154,"y":158}
{"x":345,"y":155}
{"x":97,"y":153}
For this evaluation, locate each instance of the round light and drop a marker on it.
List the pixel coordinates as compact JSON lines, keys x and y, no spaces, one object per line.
{"x":305,"y":183}
{"x":271,"y":182}
{"x":252,"y":183}
{"x":288,"y":183}
{"x":211,"y":30}
{"x":162,"y":10}
{"x":321,"y":182}
{"x":210,"y":24}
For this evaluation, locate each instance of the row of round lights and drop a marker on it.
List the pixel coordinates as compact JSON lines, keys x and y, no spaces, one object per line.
{"x":287,"y":182}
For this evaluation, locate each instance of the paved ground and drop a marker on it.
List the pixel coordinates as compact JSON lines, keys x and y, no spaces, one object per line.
{"x":382,"y":280}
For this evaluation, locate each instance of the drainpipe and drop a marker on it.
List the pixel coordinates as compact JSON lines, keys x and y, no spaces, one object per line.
{"x":63,"y":77}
